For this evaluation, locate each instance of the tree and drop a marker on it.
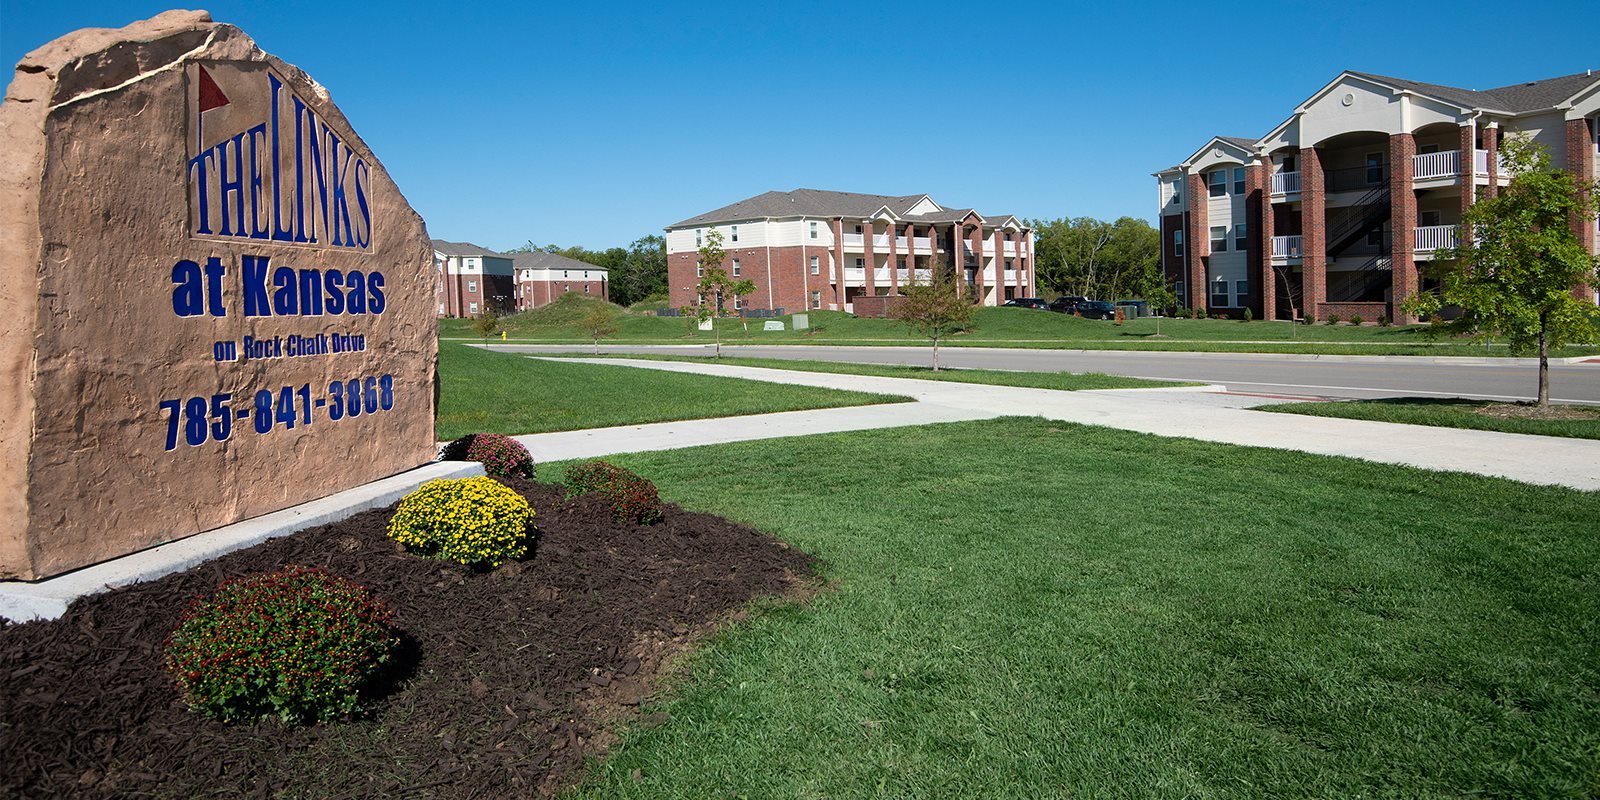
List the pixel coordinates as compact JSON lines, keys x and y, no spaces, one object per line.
{"x":1517,"y":279}
{"x":600,"y":322}
{"x":486,"y":322}
{"x":644,"y":271}
{"x":741,"y":290}
{"x":714,"y":281}
{"x":934,"y":309}
{"x":1094,"y":258}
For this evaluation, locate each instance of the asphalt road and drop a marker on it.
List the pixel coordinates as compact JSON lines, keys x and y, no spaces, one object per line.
{"x":1259,"y":373}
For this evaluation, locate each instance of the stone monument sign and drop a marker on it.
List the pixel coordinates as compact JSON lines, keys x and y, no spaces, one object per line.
{"x":217,"y":303}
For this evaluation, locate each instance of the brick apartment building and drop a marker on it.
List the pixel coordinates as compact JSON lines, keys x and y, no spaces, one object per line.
{"x":1336,"y":207}
{"x":471,"y":278}
{"x":813,"y":249}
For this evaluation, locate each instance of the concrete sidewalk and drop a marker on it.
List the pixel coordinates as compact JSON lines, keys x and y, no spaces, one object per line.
{"x":1193,"y":412}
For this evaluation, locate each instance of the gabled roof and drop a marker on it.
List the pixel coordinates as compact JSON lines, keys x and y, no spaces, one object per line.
{"x":804,"y":202}
{"x":1518,"y":98}
{"x":542,"y":260}
{"x":1246,"y":146}
{"x":463,"y":249}
{"x":1240,"y":142}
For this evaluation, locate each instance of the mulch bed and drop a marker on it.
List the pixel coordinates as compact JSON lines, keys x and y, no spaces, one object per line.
{"x":506,"y":681}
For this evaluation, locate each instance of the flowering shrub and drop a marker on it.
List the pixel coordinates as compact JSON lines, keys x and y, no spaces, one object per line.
{"x":630,"y":496}
{"x":299,"y":643}
{"x":500,"y":455}
{"x":476,"y":521}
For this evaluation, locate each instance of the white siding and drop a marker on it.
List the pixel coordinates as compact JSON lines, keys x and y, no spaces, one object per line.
{"x":1549,"y":130}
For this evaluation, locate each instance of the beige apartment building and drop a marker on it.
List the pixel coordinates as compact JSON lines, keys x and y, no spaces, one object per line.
{"x":815,"y":249}
{"x":1331,"y":212}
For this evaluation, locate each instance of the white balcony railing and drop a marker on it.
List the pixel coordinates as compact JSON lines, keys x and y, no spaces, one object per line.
{"x":853,"y":240}
{"x":1435,"y":237}
{"x":1286,"y":246}
{"x":1286,"y":183}
{"x":1446,"y":164}
{"x":1480,"y":162}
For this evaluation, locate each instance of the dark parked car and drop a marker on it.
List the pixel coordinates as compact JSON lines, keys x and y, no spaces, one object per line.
{"x":1066,"y":304}
{"x":1097,"y":309}
{"x":1026,"y":302}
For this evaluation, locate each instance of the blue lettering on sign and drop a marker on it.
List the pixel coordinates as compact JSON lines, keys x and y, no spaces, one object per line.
{"x":241,"y":187}
{"x":202,"y":419}
{"x":282,"y":292}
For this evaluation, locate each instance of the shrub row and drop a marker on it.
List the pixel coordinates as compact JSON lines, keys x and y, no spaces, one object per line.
{"x":500,"y":455}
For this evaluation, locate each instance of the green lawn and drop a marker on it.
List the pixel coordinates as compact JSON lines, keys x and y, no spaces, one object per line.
{"x":1451,"y":414}
{"x":1064,"y":381}
{"x":1031,"y":609}
{"x":496,"y":392}
{"x":559,"y":323}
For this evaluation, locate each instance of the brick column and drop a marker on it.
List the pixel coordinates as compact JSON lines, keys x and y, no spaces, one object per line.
{"x":1580,"y":162}
{"x":870,"y":257}
{"x":976,"y":242}
{"x":1491,"y":143}
{"x":1197,"y":244}
{"x":958,"y":264}
{"x":1258,"y":245}
{"x":894,"y":259}
{"x":1402,"y":224}
{"x":1469,"y":177}
{"x":999,"y":266}
{"x":1314,"y":233}
{"x":1022,"y":290}
{"x":838,"y":262}
{"x":1269,"y":227}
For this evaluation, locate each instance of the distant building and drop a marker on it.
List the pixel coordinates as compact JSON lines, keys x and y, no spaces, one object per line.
{"x":818,"y":249}
{"x":543,"y":277}
{"x":471,"y":278}
{"x":1336,"y":206}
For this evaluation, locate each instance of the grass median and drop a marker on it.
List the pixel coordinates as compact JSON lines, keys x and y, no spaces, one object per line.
{"x":561,"y":323}
{"x":1033,"y":609}
{"x":1062,"y":381}
{"x":503,"y":393}
{"x":1572,"y":421}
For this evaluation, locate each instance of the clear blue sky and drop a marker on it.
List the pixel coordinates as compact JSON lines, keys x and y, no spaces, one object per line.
{"x":594,"y":123}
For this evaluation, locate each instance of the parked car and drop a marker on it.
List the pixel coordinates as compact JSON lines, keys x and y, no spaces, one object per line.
{"x":1096,"y":309}
{"x":1067,"y":303}
{"x":1026,"y":302}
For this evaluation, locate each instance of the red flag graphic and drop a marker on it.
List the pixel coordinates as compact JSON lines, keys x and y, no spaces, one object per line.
{"x":211,"y":95}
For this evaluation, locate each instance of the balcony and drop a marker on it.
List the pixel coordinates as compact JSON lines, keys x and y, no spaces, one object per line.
{"x":1435,"y":237}
{"x":1286,"y":183}
{"x":1446,"y":164}
{"x":1286,"y":246}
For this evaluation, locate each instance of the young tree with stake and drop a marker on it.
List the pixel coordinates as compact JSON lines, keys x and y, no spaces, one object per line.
{"x":600,"y":322}
{"x":935,"y":308}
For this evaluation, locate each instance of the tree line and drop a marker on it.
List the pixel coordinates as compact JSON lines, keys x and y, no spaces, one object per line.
{"x":1100,"y":260}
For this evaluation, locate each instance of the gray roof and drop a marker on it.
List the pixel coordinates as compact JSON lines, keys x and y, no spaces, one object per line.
{"x":1248,"y":144}
{"x":804,"y":202}
{"x":543,"y":260}
{"x":463,"y":249}
{"x":1517,"y":98}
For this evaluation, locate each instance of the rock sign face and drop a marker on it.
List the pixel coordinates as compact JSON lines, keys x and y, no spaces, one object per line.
{"x":216,"y":302}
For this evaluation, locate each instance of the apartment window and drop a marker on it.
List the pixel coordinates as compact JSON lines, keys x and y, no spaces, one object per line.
{"x":1008,"y":236}
{"x":472,"y":308}
{"x":1375,"y":167}
{"x":1427,"y":148}
{"x":816,"y":266}
{"x":1241,"y":240}
{"x":735,"y":233}
{"x":1177,"y":190}
{"x":813,"y":230}
{"x":1008,"y":263}
{"x":1219,"y":240}
{"x":1177,"y":243}
{"x":697,"y":237}
{"x":699,"y":269}
{"x":472,"y":286}
{"x":1289,"y":164}
{"x":1179,"y":292}
{"x":736,"y":268}
{"x":1428,"y":219}
{"x":1238,"y":180}
{"x":858,"y":229}
{"x":816,"y":299}
{"x":900,"y":263}
{"x":1219,"y":294}
{"x":861,"y":263}
{"x":1218,"y":182}
{"x":441,"y":308}
{"x":1241,"y":293}
{"x":586,"y":288}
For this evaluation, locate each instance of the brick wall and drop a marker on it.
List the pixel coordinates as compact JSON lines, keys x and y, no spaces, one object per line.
{"x":1197,"y":240}
{"x":1367,"y":311}
{"x":1402,"y":222}
{"x":878,"y":307}
{"x":1314,"y":229}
